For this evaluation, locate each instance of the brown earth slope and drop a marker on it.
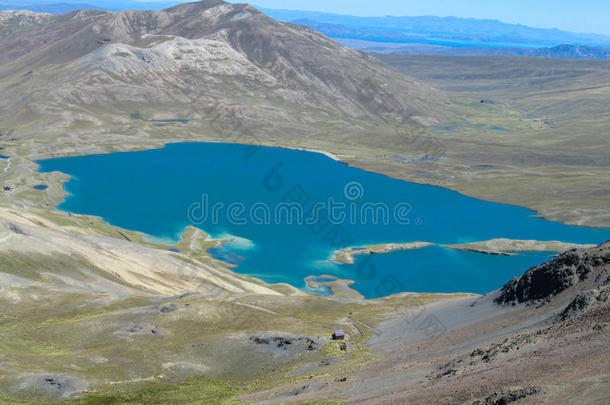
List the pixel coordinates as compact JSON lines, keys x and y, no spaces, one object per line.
{"x":205,"y":56}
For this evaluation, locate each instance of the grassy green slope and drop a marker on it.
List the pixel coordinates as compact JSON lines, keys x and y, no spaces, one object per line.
{"x":531,"y":131}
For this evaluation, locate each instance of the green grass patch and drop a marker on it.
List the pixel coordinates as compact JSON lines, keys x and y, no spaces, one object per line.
{"x":192,"y":391}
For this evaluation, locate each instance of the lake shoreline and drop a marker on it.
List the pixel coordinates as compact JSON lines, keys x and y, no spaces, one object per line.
{"x":321,"y":152}
{"x":269,"y":260}
{"x":162,"y":143}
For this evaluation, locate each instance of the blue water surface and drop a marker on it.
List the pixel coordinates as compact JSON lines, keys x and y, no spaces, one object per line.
{"x":160,"y":192}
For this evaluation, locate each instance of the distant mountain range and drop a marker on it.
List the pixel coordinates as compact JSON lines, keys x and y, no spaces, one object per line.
{"x":58,"y":7}
{"x":560,"y":51}
{"x":428,"y":28}
{"x":448,"y":36}
{"x":396,"y":35}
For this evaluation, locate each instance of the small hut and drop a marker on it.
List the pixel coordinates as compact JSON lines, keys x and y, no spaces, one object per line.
{"x":339,"y":335}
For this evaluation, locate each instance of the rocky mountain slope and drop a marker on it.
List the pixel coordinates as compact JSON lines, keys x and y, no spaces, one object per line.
{"x":205,"y":60}
{"x":549,"y":279}
{"x":38,"y":255}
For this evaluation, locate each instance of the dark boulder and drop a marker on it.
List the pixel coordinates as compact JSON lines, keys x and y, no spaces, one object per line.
{"x":506,"y":396}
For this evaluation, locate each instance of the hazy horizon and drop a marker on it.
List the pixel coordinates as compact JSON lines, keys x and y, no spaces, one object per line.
{"x":592,"y":15}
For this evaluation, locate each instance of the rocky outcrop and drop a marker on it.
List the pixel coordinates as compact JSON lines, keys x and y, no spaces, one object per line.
{"x":584,"y":301}
{"x":506,"y":396}
{"x":549,"y":279}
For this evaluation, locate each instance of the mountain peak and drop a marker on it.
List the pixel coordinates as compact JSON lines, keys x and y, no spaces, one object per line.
{"x":198,"y":5}
{"x":220,"y":6}
{"x":212,"y":51}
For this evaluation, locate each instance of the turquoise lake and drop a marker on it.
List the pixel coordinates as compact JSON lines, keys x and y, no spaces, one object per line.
{"x":289,"y":210}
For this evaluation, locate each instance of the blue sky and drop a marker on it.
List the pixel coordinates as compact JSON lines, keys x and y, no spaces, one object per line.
{"x":587,"y":16}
